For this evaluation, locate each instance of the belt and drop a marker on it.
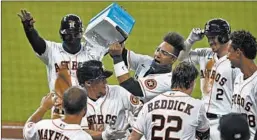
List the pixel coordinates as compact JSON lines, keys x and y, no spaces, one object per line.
{"x":212,"y":116}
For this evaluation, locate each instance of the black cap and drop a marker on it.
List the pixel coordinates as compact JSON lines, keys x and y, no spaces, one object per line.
{"x":234,"y":126}
{"x":216,"y":26}
{"x":91,"y":70}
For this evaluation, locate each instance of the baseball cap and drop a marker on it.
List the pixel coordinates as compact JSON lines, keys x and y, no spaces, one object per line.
{"x":217,"y":26}
{"x":92,"y":70}
{"x":234,"y":126}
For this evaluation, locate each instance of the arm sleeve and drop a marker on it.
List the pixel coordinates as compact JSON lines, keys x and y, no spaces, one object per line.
{"x":203,"y":122}
{"x":134,"y":60}
{"x":133,"y":87}
{"x":154,"y":85}
{"x":30,"y":131}
{"x":130,"y":102}
{"x":185,"y":53}
{"x":38,"y":44}
{"x":140,"y":125}
{"x":193,"y":55}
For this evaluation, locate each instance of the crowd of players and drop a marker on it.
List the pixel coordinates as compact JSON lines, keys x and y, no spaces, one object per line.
{"x":156,"y":103}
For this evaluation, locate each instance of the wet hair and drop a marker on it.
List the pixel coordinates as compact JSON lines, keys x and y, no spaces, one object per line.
{"x":245,"y":41}
{"x":176,"y":40}
{"x":74,"y":100}
{"x":183,"y":75}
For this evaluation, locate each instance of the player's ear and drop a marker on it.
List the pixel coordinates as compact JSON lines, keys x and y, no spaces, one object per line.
{"x":87,"y":83}
{"x":238,"y":52}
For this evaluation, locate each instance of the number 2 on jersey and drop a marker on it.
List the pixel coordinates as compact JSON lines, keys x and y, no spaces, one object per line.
{"x":160,"y":127}
{"x":220,"y":92}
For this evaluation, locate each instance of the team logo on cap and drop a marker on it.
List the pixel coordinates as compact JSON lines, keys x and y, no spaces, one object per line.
{"x":150,"y":83}
{"x":72,"y":24}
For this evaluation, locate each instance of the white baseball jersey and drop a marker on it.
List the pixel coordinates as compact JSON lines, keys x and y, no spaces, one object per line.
{"x":216,"y":78}
{"x":110,"y":109}
{"x":55,"y":55}
{"x":172,"y":115}
{"x":152,"y":84}
{"x":54,"y":130}
{"x":245,"y":99}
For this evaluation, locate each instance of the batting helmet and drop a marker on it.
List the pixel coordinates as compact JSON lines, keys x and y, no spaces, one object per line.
{"x":91,"y":70}
{"x":71,"y":28}
{"x":218,"y":27}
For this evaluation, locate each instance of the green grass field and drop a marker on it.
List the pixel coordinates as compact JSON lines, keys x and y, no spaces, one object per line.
{"x":24,"y":80}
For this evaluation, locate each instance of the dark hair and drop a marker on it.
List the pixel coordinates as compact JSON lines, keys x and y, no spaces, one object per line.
{"x":183,"y":75}
{"x":74,"y":100}
{"x":91,"y":70}
{"x":245,"y":41}
{"x":176,"y":40}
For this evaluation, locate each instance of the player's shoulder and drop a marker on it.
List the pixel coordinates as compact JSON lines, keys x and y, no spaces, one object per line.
{"x":182,"y":96}
{"x":116,"y":90}
{"x":53,"y":43}
{"x":204,"y":51}
{"x":45,"y":122}
{"x":82,"y":135}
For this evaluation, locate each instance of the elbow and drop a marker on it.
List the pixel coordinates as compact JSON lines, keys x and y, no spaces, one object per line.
{"x":133,"y":87}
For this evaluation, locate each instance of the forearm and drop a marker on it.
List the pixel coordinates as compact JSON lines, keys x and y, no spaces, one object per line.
{"x":133,"y":87}
{"x":120,"y":69}
{"x":134,"y":136}
{"x":38,"y":44}
{"x":37,"y":115}
{"x":96,"y":135}
{"x":124,"y":56}
{"x":185,"y":53}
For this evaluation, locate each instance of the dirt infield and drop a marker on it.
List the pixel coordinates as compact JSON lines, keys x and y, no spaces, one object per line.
{"x":12,"y":130}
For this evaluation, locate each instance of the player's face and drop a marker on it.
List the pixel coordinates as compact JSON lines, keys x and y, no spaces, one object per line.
{"x":233,"y":55}
{"x":164,"y":54}
{"x":213,"y":42}
{"x":99,"y":86}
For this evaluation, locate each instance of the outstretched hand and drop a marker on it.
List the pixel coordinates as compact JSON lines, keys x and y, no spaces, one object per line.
{"x":116,"y":49}
{"x":196,"y":34}
{"x":26,"y":18}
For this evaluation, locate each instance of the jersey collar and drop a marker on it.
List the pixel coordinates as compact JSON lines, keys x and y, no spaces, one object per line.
{"x":64,"y":126}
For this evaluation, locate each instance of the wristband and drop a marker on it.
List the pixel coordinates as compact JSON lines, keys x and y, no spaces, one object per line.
{"x":120,"y":69}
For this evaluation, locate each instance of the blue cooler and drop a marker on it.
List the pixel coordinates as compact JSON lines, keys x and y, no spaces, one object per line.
{"x":110,"y":25}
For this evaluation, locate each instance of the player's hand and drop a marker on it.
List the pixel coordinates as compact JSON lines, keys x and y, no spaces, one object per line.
{"x":112,"y":133}
{"x":47,"y":102}
{"x":26,"y":19}
{"x":196,"y":34}
{"x":115,"y":49}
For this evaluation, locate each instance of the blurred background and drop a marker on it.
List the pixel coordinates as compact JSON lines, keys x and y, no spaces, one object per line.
{"x":24,"y":80}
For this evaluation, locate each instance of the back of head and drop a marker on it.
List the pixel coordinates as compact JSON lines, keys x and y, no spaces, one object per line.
{"x":176,"y":40}
{"x":71,"y":28}
{"x":218,"y":27}
{"x":183,"y":75}
{"x":244,"y":41}
{"x":234,"y":126}
{"x":74,"y":100}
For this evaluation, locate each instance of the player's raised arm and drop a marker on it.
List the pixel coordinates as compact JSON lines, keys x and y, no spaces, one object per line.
{"x":195,"y":35}
{"x":38,"y":44}
{"x":122,"y":72}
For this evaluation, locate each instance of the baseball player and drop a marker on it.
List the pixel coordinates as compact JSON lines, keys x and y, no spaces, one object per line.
{"x":242,"y":52}
{"x":107,"y":104}
{"x":216,"y":74}
{"x":152,"y":74}
{"x":68,"y":128}
{"x":69,"y":53}
{"x":174,"y":114}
